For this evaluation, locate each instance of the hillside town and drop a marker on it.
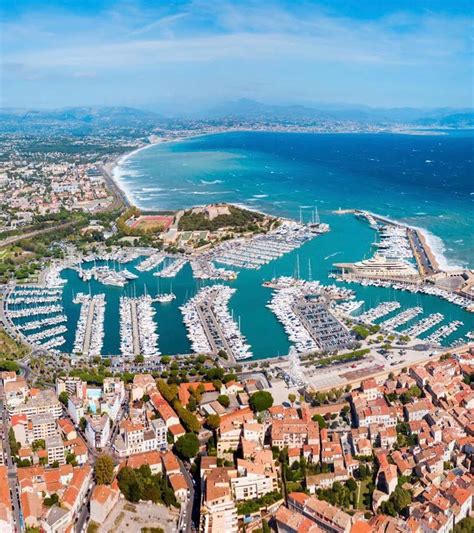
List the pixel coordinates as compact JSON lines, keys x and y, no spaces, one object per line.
{"x":220,"y":454}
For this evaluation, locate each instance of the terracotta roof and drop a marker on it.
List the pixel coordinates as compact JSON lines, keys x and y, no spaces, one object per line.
{"x":170,"y":462}
{"x":177,"y":430}
{"x":5,"y":501}
{"x":178,"y":482}
{"x":147,"y":458}
{"x":184,"y":394}
{"x":102,"y":493}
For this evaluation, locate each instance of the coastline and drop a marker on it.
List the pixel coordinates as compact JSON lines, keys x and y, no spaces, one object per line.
{"x":435,"y":244}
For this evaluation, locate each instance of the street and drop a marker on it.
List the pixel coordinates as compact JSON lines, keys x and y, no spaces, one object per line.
{"x":186,"y":512}
{"x":12,"y":479}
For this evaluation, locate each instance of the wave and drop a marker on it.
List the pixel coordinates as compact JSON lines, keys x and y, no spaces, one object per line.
{"x":209,"y":193}
{"x":213,"y":182}
{"x":260,"y":196}
{"x":332,"y":255}
{"x":438,"y":248}
{"x":151,"y":189}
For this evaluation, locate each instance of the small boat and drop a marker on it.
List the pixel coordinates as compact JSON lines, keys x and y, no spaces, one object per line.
{"x":165,"y":298}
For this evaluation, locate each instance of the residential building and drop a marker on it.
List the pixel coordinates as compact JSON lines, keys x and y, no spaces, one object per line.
{"x":97,"y":430}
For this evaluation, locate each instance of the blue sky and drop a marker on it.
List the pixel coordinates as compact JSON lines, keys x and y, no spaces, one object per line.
{"x":183,"y":54}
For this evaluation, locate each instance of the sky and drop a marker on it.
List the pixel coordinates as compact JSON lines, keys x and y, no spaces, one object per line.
{"x":189,"y":54}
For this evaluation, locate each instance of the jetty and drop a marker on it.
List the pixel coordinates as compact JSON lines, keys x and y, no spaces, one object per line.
{"x":89,"y":337}
{"x":138,"y":334}
{"x":211,"y":327}
{"x":135,"y":333}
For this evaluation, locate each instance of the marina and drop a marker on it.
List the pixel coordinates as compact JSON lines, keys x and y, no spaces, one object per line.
{"x":424,"y":325}
{"x":211,"y":328}
{"x":172,"y":269}
{"x":151,"y":262}
{"x":137,"y":327}
{"x":401,"y":318}
{"x":36,"y":324}
{"x":381,"y":310}
{"x":303,"y":311}
{"x":305,"y":267}
{"x":260,"y":250}
{"x":205,"y":269}
{"x":35,"y":310}
{"x":90,"y":328}
{"x":443,"y":332}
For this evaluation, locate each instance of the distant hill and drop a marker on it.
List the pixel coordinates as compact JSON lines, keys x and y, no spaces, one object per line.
{"x":246,"y":109}
{"x":454,"y":120}
{"x":80,"y":120}
{"x":77,"y":119}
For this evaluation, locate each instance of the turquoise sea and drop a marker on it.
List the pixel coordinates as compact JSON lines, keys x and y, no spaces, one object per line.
{"x":423,"y":180}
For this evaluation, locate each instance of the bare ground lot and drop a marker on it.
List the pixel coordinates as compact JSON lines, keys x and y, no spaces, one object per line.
{"x":128,"y":517}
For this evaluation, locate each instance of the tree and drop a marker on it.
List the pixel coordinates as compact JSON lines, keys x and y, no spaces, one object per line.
{"x":169,"y":392}
{"x":104,"y":470}
{"x":401,"y":499}
{"x":82,"y":424}
{"x":320,"y":420}
{"x":51,"y":500}
{"x":192,"y":404}
{"x":261,"y":401}
{"x":139,"y":359}
{"x":224,"y":400}
{"x":213,"y":421}
{"x":189,"y":421}
{"x":63,"y":398}
{"x":466,"y":525}
{"x":292,"y":398}
{"x":38,"y":444}
{"x":14,"y":445}
{"x":71,"y":459}
{"x":351,"y":485}
{"x":187,"y":445}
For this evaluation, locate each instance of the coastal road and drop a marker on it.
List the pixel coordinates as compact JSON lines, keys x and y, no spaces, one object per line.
{"x":120,"y":200}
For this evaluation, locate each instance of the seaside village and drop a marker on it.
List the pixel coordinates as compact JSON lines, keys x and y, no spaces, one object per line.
{"x":390,"y":454}
{"x":38,"y":188}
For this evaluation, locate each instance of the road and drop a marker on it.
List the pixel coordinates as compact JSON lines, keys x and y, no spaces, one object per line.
{"x":83,"y":515}
{"x":120,"y":199}
{"x":12,"y":479}
{"x":22,"y":236}
{"x":186,"y":512}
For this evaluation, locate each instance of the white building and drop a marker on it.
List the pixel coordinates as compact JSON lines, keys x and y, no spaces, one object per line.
{"x":98,"y":430}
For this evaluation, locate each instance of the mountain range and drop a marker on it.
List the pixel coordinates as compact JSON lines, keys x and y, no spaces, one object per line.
{"x":86,"y":119}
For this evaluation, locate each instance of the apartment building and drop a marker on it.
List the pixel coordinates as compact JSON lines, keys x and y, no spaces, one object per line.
{"x":74,"y":386}
{"x":253,"y":481}
{"x":42,"y":427}
{"x":55,"y":449}
{"x":42,"y":402}
{"x":218,"y":511}
{"x":294,"y":433}
{"x":97,"y":430}
{"x":136,"y":438}
{"x":326,"y":516}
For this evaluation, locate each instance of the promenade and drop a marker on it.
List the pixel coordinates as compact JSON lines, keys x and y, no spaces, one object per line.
{"x":212,"y":329}
{"x":135,"y":329}
{"x":88,"y":331}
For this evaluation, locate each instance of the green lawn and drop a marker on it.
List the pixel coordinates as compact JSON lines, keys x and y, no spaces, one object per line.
{"x":362,"y":491}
